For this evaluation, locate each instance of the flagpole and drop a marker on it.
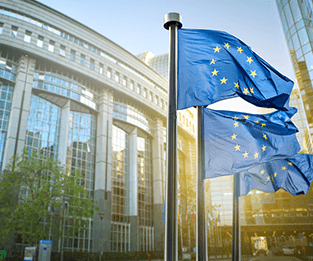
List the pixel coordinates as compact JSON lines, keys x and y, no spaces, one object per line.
{"x":236,"y":229}
{"x":201,"y":217}
{"x":171,"y":22}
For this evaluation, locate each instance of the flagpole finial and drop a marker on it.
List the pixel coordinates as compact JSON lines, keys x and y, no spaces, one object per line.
{"x":172,"y":18}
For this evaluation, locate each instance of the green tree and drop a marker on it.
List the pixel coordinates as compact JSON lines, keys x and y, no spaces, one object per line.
{"x":33,"y":191}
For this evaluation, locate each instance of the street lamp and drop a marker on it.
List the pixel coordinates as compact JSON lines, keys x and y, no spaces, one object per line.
{"x":101,"y":214}
{"x":65,"y":205}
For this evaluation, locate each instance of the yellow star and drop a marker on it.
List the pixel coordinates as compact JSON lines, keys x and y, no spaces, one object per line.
{"x":262,"y":171}
{"x":214,"y":72}
{"x":253,"y":73}
{"x":263,"y":148}
{"x":233,"y":137}
{"x":216,"y":49}
{"x":272,"y":179}
{"x":268,"y":178}
{"x":237,"y":147}
{"x":235,"y":118}
{"x":264,"y":136}
{"x":246,"y":91}
{"x":236,"y":124}
{"x":227,"y":45}
{"x":256,"y":155}
{"x":290,"y":163}
{"x":284,"y":168}
{"x":249,"y":60}
{"x":239,"y":49}
{"x":275,"y":174}
{"x":251,"y":90}
{"x":245,"y":154}
{"x":213,"y":61}
{"x":256,"y":121}
{"x":263,"y":124}
{"x":236,"y":85}
{"x":246,"y":117}
{"x":223,"y":80}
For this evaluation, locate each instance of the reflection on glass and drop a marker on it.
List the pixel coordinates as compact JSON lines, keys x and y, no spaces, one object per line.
{"x":43,"y":127}
{"x":5,"y":108}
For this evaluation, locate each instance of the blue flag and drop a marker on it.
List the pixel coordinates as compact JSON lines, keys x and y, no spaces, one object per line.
{"x":163,"y":212}
{"x":294,"y":175}
{"x":235,"y":141}
{"x":214,"y":66}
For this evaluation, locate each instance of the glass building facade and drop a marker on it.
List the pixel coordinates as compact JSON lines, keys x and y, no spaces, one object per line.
{"x":97,"y":109}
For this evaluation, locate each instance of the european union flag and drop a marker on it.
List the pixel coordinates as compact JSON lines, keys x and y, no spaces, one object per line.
{"x":235,"y":141}
{"x":214,"y":66}
{"x":294,"y":175}
{"x":163,"y":212}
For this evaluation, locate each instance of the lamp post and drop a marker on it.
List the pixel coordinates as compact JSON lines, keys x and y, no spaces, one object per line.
{"x":65,"y":205}
{"x":101,"y":214}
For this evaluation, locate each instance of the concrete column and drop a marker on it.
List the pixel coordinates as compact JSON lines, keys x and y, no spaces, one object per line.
{"x":103,"y":195}
{"x":158,"y":183}
{"x":15,"y":140}
{"x":132,"y":192}
{"x":64,"y":126}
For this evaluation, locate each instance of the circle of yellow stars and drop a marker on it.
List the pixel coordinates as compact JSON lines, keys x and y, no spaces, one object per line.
{"x":249,"y":60}
{"x":237,"y":147}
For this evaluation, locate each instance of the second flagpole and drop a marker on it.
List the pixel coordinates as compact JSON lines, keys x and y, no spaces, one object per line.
{"x":201,"y":216}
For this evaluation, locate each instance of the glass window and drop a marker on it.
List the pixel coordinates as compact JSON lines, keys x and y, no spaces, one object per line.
{"x":51,"y":46}
{"x":309,"y":61}
{"x":1,"y":28}
{"x":92,"y":64}
{"x":72,"y":55}
{"x":109,"y":73}
{"x":117,"y":77}
{"x":124,"y":81}
{"x":82,"y":59}
{"x":303,"y":36}
{"x":13,"y":33}
{"x":300,"y":24}
{"x":40,"y":41}
{"x":100,"y":68}
{"x":27,"y":36}
{"x":144,"y":92}
{"x":295,"y":10}
{"x":295,"y":42}
{"x":131,"y":85}
{"x":288,"y":15}
{"x":138,"y":88}
{"x":62,"y":50}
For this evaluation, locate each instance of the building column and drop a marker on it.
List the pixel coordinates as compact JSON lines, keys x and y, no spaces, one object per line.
{"x":158,"y":183}
{"x":15,"y":140}
{"x":64,"y":125}
{"x":103,"y":192}
{"x":132,"y":192}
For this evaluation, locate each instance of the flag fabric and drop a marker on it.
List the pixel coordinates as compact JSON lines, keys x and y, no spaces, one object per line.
{"x":214,"y":65}
{"x":294,"y":175}
{"x":163,"y":212}
{"x":235,"y":141}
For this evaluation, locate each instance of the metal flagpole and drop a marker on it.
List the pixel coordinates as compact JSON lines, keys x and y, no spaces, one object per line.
{"x":236,"y":230}
{"x":201,"y":217}
{"x":171,"y":22}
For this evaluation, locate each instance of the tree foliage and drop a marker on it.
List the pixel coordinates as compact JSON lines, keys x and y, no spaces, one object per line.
{"x":33,"y":192}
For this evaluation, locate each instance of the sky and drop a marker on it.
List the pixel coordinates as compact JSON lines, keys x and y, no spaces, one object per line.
{"x":137,"y":25}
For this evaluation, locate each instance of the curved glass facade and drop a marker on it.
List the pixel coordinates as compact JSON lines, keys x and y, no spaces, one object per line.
{"x":6,"y":92}
{"x":81,"y":147}
{"x":65,"y":86}
{"x":130,"y":114}
{"x":43,"y":126}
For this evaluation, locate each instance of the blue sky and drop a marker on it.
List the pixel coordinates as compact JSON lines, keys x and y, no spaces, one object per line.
{"x":137,"y":25}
